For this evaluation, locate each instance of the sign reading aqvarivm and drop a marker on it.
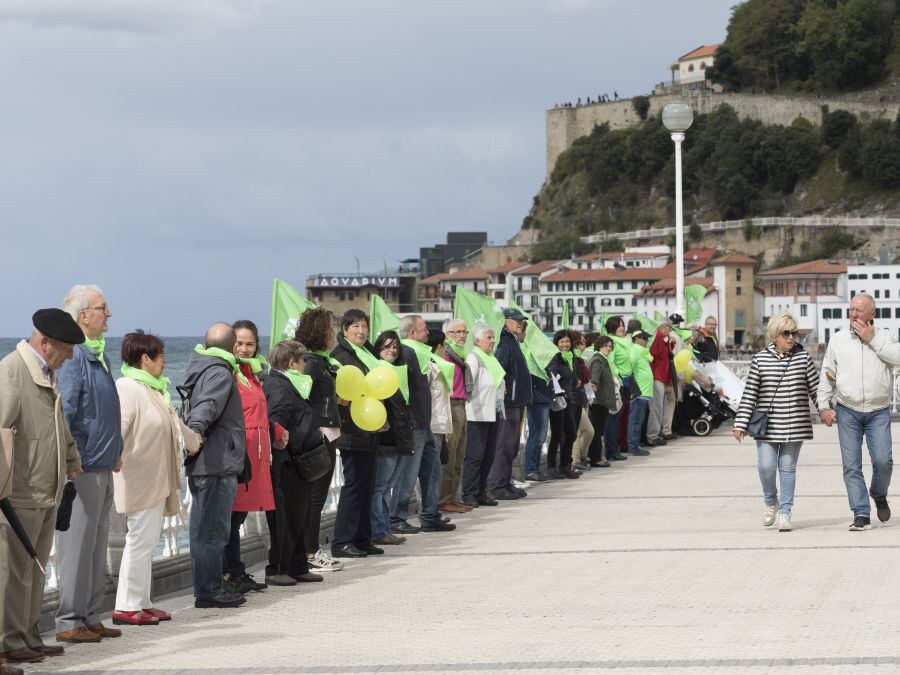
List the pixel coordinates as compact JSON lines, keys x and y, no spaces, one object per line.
{"x":354,"y":281}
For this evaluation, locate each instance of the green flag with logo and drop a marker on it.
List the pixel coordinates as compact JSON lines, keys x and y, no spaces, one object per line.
{"x":475,"y":308}
{"x":381,"y":318}
{"x":537,"y":348}
{"x":288,"y":306}
{"x":693,"y":297}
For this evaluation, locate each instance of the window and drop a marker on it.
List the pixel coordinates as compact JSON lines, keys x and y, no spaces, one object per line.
{"x":897,"y":312}
{"x":737,"y":274}
{"x":519,"y":283}
{"x":558,"y":321}
{"x":863,"y":276}
{"x":581,"y":302}
{"x":571,"y":286}
{"x":534,"y":301}
{"x":619,"y":285}
{"x":605,"y":302}
{"x":827,"y":334}
{"x":837,"y":313}
{"x":826,"y":313}
{"x":342,"y":295}
{"x":606,"y":284}
{"x":620,"y":302}
{"x":877,"y":293}
{"x":852,"y":276}
{"x":580,"y":320}
{"x":803,"y":310}
{"x":737,"y":290}
{"x":887,"y":295}
{"x":548,"y":306}
{"x":559,"y":302}
{"x":852,"y":293}
{"x":453,"y":288}
{"x":475,"y":286}
{"x":691,"y":68}
{"x":520,"y":300}
{"x":634,"y":302}
{"x":633,"y":285}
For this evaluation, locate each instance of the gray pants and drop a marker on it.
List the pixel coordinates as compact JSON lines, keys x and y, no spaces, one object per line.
{"x":81,"y":553}
{"x":21,"y":582}
{"x":507,"y":448}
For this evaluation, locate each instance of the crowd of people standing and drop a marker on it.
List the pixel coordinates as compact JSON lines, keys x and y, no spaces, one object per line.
{"x":258,"y":434}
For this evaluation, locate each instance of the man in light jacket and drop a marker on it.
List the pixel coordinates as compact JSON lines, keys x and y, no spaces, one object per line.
{"x":456,"y":332}
{"x":44,"y":455}
{"x":91,"y":403}
{"x":856,"y":374}
{"x":215,"y":412}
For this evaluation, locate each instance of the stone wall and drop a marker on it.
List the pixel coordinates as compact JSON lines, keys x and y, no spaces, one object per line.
{"x":564,"y":125}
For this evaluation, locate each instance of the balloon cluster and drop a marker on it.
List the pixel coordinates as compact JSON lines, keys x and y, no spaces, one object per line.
{"x":683,"y":364}
{"x":365,"y":393}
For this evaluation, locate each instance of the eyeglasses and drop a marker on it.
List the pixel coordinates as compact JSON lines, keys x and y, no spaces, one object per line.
{"x":458,"y":332}
{"x":99,"y":308}
{"x":790,"y":334}
{"x":393,"y":347}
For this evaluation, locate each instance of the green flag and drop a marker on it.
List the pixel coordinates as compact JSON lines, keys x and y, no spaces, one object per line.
{"x":565,"y":316}
{"x":648,"y":325}
{"x":287,"y":308}
{"x":381,"y":318}
{"x":475,"y":308}
{"x":603,"y":318}
{"x":693,"y":296}
{"x":658,"y":316}
{"x":537,"y":348}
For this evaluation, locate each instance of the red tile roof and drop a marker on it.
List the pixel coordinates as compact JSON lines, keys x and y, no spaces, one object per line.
{"x":734,"y":259}
{"x":538,"y":268}
{"x":434,"y":278}
{"x":699,"y":256}
{"x":812,"y":267}
{"x":631,"y":255}
{"x":700,"y":52}
{"x":628,"y":274}
{"x":466,"y":274}
{"x":666,"y":287}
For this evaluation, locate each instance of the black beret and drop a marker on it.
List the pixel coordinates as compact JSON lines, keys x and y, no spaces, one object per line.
{"x":57,"y":324}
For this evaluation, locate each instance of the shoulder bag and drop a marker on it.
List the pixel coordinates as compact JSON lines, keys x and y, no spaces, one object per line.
{"x":759,"y":420}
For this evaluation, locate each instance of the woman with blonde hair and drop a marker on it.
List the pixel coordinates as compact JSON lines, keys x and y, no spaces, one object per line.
{"x":775,"y":411}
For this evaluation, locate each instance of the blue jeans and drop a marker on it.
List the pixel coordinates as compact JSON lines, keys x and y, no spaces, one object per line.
{"x":876,"y":426}
{"x":636,"y":414}
{"x":408,"y":466}
{"x":210,"y":528}
{"x":387,"y":470}
{"x":430,"y":481}
{"x":538,"y":423}
{"x":783,"y":457}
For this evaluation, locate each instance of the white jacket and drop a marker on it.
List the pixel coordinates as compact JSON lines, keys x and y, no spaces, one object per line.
{"x":486,"y":398}
{"x":862,"y":372}
{"x":441,"y":419}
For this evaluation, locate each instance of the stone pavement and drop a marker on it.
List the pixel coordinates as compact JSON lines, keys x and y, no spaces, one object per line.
{"x":658,"y":563}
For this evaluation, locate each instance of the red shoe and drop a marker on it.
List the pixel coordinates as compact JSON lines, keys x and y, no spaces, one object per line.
{"x":136,"y":618}
{"x":158,"y":613}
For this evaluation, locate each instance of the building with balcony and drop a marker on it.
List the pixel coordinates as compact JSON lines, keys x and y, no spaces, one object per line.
{"x":882,"y":282}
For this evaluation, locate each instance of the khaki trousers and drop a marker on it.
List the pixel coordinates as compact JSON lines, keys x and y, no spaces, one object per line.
{"x":456,"y":450}
{"x":21,"y":582}
{"x":583,"y":438}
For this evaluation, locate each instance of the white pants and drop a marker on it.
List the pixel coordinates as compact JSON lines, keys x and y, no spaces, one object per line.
{"x":136,"y":571}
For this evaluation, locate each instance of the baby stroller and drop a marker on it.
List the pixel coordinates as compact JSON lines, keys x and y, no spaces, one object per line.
{"x":700,"y":410}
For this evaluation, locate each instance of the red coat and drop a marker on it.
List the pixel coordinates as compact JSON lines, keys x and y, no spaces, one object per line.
{"x":661,"y":365}
{"x":257,"y":494}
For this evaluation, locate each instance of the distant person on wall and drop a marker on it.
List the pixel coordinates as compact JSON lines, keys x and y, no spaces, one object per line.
{"x":91,"y":404}
{"x":855,"y":391}
{"x":707,"y":349}
{"x":44,"y":455}
{"x":148,"y":487}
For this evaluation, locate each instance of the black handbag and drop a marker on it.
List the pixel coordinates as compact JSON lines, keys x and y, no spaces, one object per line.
{"x":759,"y":419}
{"x":315,"y":463}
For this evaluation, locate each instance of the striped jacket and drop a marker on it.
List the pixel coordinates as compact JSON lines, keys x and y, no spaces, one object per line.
{"x":788,"y":407}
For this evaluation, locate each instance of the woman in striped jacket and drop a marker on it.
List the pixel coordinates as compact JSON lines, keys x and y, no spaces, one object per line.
{"x":782,"y":381}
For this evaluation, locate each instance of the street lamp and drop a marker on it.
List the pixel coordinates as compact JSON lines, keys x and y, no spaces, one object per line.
{"x":678,"y":117}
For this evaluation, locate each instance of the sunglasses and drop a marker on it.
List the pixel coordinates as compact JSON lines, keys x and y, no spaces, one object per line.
{"x":790,"y":334}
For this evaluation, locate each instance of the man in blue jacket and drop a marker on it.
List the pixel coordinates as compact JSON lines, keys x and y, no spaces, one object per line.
{"x":214,"y":411}
{"x":91,"y":405}
{"x":518,"y":395}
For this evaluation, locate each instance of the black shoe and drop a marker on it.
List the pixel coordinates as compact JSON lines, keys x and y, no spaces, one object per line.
{"x":470,"y":501}
{"x":371,"y":549}
{"x":484,"y":500}
{"x":280,"y":579}
{"x":602,"y":463}
{"x":437,"y":526}
{"x":640,"y":452}
{"x":516,"y":490}
{"x":247,"y":583}
{"x":618,"y":458}
{"x":309,"y":577}
{"x":223,"y":600}
{"x":405,"y":528}
{"x":503,"y":495}
{"x":557,"y":474}
{"x":882,"y":509}
{"x":231,"y":586}
{"x":348,"y":551}
{"x":860,"y":523}
{"x":569,"y":473}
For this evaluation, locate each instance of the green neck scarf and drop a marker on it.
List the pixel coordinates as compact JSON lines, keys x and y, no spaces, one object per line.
{"x":403,"y":374}
{"x":325,"y":355}
{"x":578,"y":353}
{"x":423,"y":353}
{"x":302,"y":383}
{"x":459,"y":350}
{"x":495,"y":370}
{"x":227,"y":357}
{"x":567,"y":357}
{"x":369,"y":360}
{"x":446,"y":368}
{"x":256,"y":363}
{"x":160,"y":384}
{"x":97,"y":346}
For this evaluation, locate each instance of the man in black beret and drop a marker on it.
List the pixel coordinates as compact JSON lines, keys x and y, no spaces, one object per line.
{"x":45,"y":453}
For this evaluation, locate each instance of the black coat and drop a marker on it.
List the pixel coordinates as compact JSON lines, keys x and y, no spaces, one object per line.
{"x":397,"y":440}
{"x":567,"y":379}
{"x":352,"y":437}
{"x":419,"y":391}
{"x":322,"y":397}
{"x":518,"y":377}
{"x":290,"y":410}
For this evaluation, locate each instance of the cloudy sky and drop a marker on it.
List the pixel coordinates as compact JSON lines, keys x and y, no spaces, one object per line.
{"x":183,"y":153}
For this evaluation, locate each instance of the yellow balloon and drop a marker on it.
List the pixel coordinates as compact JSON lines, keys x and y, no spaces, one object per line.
{"x":683,"y":360}
{"x":689,"y":374}
{"x":368,"y":413}
{"x":350,"y":383}
{"x":382,"y":382}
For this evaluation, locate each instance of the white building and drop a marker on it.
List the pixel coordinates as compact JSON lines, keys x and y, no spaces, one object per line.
{"x":692,"y":66}
{"x":882,"y":282}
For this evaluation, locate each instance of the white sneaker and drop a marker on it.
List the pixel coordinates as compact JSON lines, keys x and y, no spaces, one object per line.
{"x":324,"y":562}
{"x":784,"y":522}
{"x":769,"y":514}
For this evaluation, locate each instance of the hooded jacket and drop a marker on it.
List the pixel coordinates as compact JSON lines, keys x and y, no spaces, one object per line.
{"x":216,"y":413}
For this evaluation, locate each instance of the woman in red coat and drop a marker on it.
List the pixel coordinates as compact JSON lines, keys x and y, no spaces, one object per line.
{"x":256,"y":495}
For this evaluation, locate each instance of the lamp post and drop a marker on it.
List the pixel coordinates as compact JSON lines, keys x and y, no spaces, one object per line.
{"x":678,"y":117}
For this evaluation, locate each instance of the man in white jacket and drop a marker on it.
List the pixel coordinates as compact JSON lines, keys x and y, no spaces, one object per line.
{"x":857,"y":375}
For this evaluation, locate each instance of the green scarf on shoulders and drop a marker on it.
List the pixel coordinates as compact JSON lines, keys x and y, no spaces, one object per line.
{"x":325,"y":355}
{"x":495,"y":370}
{"x":446,"y":368}
{"x":96,"y":347}
{"x":423,"y":353}
{"x":227,"y":357}
{"x":369,"y":360}
{"x":302,"y":383}
{"x":256,"y":363}
{"x":459,"y":350}
{"x":568,"y":357}
{"x":160,"y":384}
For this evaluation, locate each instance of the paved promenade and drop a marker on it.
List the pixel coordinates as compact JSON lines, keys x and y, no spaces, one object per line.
{"x":658,"y":563}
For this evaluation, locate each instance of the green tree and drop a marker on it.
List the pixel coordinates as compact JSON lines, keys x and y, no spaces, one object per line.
{"x":879,"y":155}
{"x":836,"y":125}
{"x":641,"y":105}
